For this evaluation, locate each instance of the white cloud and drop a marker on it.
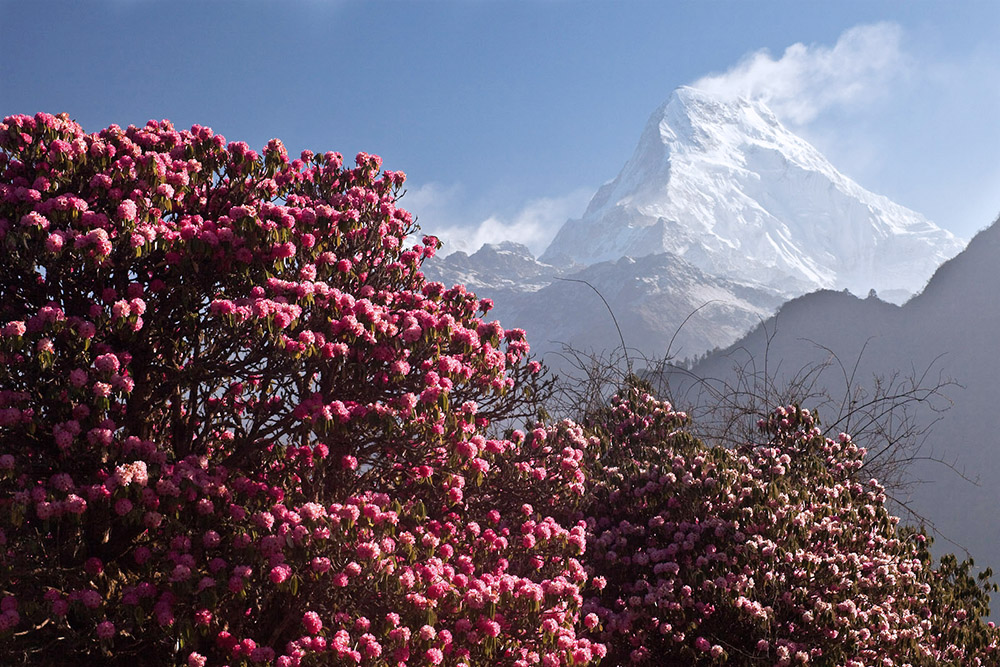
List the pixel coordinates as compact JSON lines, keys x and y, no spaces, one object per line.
{"x":434,"y":204}
{"x":809,"y":79}
{"x":798,"y":86}
{"x":439,"y":212}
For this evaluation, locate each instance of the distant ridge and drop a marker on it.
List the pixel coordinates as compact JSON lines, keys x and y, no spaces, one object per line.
{"x":950,"y":328}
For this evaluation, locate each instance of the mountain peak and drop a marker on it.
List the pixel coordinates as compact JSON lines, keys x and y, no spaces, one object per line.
{"x":722,"y":183}
{"x":507,"y":248}
{"x":696,"y":101}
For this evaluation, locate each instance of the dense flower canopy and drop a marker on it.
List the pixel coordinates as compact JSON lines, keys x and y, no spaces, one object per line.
{"x":774,"y":553}
{"x":239,"y":427}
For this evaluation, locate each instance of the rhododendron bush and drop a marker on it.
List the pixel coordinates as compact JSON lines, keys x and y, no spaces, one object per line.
{"x":238,"y":427}
{"x":775,"y":553}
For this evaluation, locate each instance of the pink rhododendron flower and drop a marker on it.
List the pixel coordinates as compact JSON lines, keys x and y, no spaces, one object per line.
{"x":280,"y":573}
{"x":312,"y":622}
{"x":105,"y":629}
{"x":242,"y":380}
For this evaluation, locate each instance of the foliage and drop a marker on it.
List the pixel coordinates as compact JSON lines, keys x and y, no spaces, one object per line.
{"x":238,"y":426}
{"x":772,"y":553}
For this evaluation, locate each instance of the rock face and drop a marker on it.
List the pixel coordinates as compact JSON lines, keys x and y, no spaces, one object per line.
{"x":496,"y":268}
{"x":727,"y":187}
{"x":651,"y":297}
{"x":950,"y":328}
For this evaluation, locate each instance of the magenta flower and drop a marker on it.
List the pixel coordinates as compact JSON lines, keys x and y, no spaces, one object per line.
{"x":106,"y":630}
{"x":90,"y":599}
{"x":312,"y":622}
{"x":280,"y":573}
{"x":107,"y":363}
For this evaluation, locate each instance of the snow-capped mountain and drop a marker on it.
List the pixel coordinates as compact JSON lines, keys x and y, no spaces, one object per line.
{"x":721,"y":215}
{"x":726,"y":186}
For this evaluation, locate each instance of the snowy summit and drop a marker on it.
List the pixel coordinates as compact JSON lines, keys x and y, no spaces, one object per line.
{"x":726,"y":186}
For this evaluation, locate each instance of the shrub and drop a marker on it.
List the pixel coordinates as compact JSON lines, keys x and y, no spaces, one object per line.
{"x":773,"y":553}
{"x":238,"y":426}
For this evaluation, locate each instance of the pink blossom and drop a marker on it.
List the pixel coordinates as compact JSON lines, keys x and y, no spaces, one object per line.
{"x":107,"y":363}
{"x":78,"y":377}
{"x":90,"y":599}
{"x":74,"y":504}
{"x":45,"y":510}
{"x":312,"y":622}
{"x":86,"y":329}
{"x":106,"y":630}
{"x":127,"y":210}
{"x":55,"y":241}
{"x":11,"y":329}
{"x":280,"y":573}
{"x":121,"y":309}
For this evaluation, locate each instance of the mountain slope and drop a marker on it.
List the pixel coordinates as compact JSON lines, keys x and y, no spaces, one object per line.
{"x":720,"y":215}
{"x":651,"y":297}
{"x":728,"y":188}
{"x":951,"y":329}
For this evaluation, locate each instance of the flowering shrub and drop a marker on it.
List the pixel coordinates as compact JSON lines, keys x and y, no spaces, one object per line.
{"x":773,"y":554}
{"x":237,"y":426}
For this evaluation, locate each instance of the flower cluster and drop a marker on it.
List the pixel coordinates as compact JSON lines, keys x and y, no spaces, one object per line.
{"x":775,"y":553}
{"x":238,"y":426}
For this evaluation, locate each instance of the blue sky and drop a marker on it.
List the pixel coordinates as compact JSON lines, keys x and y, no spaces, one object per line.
{"x":508,"y":115}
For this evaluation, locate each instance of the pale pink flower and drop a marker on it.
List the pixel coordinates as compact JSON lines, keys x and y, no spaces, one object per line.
{"x":13,"y":329}
{"x":127,"y":210}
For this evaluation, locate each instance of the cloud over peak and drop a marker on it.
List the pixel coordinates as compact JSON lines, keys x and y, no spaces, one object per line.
{"x":440,"y":212}
{"x":806,"y":80}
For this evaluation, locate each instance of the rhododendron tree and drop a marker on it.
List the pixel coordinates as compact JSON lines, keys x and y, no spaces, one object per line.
{"x":237,"y":426}
{"x":773,"y":553}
